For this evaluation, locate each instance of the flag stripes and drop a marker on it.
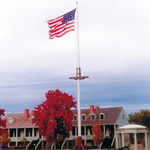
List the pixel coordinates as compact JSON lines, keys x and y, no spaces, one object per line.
{"x":61,"y":25}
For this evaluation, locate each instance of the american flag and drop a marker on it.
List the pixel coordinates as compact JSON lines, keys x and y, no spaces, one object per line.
{"x":61,"y":25}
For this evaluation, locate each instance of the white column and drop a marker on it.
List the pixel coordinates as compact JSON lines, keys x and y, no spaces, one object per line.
{"x":9,"y":132}
{"x":135,"y":141}
{"x":85,"y":131}
{"x":122,"y":136}
{"x":70,"y":132}
{"x":148,"y":140}
{"x":116,"y":136}
{"x":76,"y":133}
{"x":146,"y":147}
{"x":13,"y":133}
{"x":119,"y":140}
{"x":37,"y":133}
{"x":104,"y":130}
{"x":32,"y":132}
{"x":84,"y":135}
{"x":9,"y":137}
{"x":24,"y":132}
{"x":16,"y":137}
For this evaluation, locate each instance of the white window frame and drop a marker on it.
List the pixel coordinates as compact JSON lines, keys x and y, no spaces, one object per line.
{"x":76,"y":118}
{"x":11,"y":120}
{"x":93,"y":115}
{"x":101,"y":115}
{"x":83,"y":115}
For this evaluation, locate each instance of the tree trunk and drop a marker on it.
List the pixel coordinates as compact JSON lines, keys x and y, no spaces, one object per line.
{"x":55,"y":145}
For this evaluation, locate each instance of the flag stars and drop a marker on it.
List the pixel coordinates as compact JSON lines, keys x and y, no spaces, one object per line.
{"x":61,"y":25}
{"x":68,"y":16}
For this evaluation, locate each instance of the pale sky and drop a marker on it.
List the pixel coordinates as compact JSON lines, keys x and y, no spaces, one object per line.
{"x":114,"y":53}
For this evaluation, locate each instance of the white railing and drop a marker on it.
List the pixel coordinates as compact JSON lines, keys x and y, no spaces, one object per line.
{"x":38,"y":143}
{"x":113,"y":141}
{"x":29,"y":144}
{"x":52,"y":146}
{"x":14,"y":139}
{"x":64,"y":143}
{"x":88,"y":137}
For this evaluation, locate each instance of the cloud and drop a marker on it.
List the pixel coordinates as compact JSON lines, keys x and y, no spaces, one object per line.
{"x":114,"y":52}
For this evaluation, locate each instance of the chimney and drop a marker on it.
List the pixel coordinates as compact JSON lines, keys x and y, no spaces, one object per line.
{"x":32,"y":112}
{"x":91,"y":109}
{"x":96,"y":107}
{"x":26,"y":113}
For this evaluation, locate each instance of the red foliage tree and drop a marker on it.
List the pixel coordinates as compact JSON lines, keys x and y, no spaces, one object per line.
{"x":98,"y":135}
{"x":2,"y":122}
{"x":5,"y":140}
{"x":54,"y":116}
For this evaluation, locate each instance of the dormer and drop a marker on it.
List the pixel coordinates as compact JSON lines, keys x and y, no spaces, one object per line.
{"x":32,"y":117}
{"x":92,"y":116}
{"x":83,"y":117}
{"x":11,"y":120}
{"x":75,"y":118}
{"x":101,"y":116}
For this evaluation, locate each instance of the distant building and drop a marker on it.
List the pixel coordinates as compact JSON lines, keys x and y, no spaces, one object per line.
{"x":20,"y":125}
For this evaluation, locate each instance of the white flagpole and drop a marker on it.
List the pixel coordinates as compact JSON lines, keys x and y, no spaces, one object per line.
{"x":77,"y":28}
{"x":78,"y":71}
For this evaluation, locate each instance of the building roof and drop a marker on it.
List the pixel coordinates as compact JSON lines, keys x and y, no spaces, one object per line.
{"x":133,"y":126}
{"x":19,"y":121}
{"x":111,"y":116}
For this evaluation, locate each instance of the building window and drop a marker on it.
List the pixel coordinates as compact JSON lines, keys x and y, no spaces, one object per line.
{"x":11,"y":133}
{"x":102,"y":116}
{"x":75,"y":118}
{"x":73,"y":131}
{"x":93,"y":117}
{"x":82,"y":130}
{"x":29,"y":132}
{"x":88,"y":130}
{"x":19,"y":133}
{"x":35,"y":132}
{"x":11,"y":120}
{"x":123,"y":117}
{"x":32,"y":117}
{"x":83,"y":117}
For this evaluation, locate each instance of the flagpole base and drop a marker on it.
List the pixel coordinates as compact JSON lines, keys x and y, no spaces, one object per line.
{"x":79,"y":145}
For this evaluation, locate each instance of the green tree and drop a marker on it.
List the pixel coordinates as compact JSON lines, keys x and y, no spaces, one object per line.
{"x":141,"y":118}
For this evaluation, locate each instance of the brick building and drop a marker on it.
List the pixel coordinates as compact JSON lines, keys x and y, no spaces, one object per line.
{"x":20,"y":125}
